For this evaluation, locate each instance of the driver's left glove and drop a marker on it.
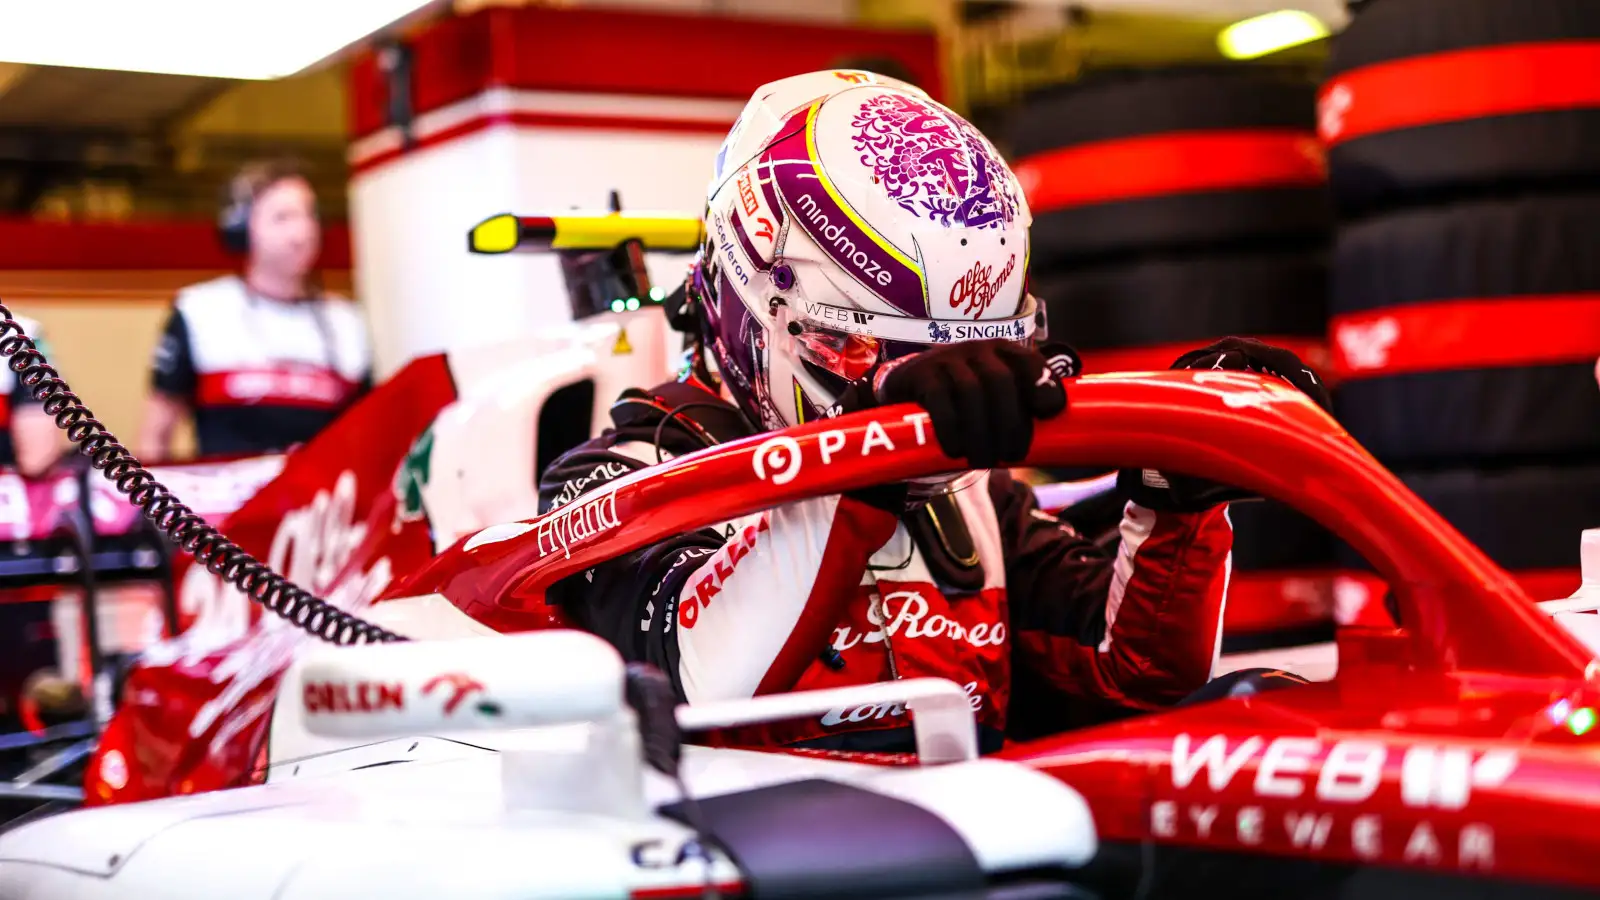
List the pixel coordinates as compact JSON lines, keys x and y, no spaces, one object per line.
{"x":1182,"y":493}
{"x":982,"y":397}
{"x":1240,"y":354}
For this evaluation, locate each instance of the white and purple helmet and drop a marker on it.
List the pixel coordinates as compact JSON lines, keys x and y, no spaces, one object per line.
{"x":853,"y":220}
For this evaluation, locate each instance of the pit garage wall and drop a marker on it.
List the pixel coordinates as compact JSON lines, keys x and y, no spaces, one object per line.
{"x":102,"y":291}
{"x":532,"y":110}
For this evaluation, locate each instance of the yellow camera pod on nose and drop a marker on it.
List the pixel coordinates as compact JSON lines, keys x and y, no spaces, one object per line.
{"x":662,"y":232}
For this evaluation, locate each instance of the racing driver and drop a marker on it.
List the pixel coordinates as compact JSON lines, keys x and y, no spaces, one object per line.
{"x":867,"y":246}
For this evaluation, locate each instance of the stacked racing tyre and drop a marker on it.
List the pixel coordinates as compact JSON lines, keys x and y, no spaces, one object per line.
{"x":1465,"y":304}
{"x":1437,"y":99}
{"x":1173,"y":208}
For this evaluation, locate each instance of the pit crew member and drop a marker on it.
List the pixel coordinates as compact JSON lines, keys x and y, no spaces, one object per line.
{"x":30,"y":442}
{"x":262,"y":360}
{"x":867,"y":246}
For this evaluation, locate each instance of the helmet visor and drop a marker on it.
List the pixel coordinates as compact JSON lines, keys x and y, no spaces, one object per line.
{"x":846,"y":356}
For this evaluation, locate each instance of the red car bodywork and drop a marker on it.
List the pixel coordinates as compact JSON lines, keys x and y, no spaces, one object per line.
{"x":1445,"y":744}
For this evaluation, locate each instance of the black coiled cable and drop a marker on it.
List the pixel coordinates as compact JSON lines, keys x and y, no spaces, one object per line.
{"x":171,"y":516}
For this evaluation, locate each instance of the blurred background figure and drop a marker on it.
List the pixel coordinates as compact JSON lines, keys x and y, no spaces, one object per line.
{"x":30,"y":442}
{"x":265,"y":359}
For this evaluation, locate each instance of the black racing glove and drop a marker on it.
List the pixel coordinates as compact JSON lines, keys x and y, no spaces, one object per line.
{"x":982,"y":397}
{"x":1184,"y":493}
{"x":1237,"y":354}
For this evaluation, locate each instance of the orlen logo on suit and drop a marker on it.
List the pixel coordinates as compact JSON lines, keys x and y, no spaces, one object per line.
{"x":717,"y":571}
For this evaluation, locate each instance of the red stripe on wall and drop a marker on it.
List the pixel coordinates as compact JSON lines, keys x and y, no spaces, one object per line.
{"x":624,"y":52}
{"x":540,"y":120}
{"x":1464,"y":84}
{"x":1466,"y":334}
{"x":138,"y":246}
{"x":1175,"y":163}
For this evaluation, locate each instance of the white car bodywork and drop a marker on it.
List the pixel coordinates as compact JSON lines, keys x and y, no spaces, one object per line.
{"x":546,"y":796}
{"x":493,"y":426}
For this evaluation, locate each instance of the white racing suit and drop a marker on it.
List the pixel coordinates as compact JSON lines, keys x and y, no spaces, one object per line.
{"x":987,"y":591}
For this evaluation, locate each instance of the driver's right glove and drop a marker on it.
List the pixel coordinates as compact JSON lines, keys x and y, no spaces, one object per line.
{"x":982,"y":397}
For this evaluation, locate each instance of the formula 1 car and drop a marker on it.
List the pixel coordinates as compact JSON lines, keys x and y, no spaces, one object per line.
{"x":1452,"y":749}
{"x":85,"y":583}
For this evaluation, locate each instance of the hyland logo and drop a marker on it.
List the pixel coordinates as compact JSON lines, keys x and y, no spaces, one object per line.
{"x":938,"y":332}
{"x":412,"y":477}
{"x":558,"y":530}
{"x":974,"y":293}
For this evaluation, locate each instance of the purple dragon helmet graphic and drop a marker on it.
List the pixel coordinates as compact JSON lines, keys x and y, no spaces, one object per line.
{"x":932,"y":165}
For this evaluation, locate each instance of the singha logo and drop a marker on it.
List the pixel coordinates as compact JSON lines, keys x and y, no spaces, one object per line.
{"x":938,"y":332}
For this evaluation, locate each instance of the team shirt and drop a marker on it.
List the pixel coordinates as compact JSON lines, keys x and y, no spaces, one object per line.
{"x":13,"y":396}
{"x":260,"y":374}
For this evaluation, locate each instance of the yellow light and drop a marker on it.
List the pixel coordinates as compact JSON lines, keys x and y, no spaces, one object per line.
{"x":496,"y":235}
{"x":1269,"y":33}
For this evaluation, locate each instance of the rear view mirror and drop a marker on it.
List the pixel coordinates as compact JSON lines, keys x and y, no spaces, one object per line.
{"x":499,"y":234}
{"x":653,"y":232}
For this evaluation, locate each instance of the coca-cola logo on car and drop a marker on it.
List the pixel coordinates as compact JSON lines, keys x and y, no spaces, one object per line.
{"x":311,"y":546}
